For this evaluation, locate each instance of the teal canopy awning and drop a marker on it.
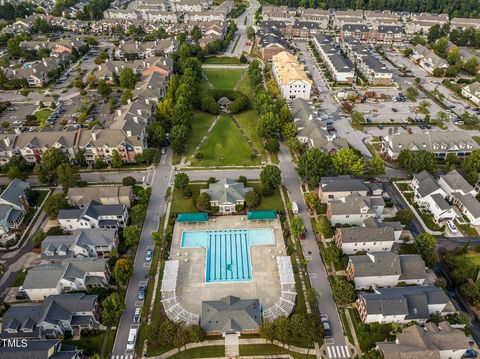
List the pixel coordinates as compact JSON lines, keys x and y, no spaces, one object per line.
{"x":192,"y":217}
{"x":261,"y":215}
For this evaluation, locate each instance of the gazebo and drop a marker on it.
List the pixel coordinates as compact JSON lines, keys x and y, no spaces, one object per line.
{"x":224,"y":102}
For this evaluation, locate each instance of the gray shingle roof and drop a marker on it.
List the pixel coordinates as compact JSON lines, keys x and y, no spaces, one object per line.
{"x":231,"y":313}
{"x":343,"y":184}
{"x":456,"y":181}
{"x":14,"y":191}
{"x":470,"y":203}
{"x":227,"y":190}
{"x":440,"y":201}
{"x":367,"y":234}
{"x":376,"y":264}
{"x":426,"y":183}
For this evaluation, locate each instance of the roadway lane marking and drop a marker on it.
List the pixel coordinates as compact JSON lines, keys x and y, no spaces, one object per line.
{"x":329,"y":352}
{"x":147,"y":264}
{"x":313,"y":275}
{"x":138,"y":303}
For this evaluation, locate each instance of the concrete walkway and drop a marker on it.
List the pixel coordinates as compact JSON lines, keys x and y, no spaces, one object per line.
{"x":248,"y":341}
{"x":232,"y":349}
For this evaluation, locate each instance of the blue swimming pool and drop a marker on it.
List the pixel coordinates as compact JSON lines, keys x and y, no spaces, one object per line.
{"x":228,"y":251}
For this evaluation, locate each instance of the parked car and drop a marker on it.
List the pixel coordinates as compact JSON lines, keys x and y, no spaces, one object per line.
{"x":141,"y":293}
{"x":452,"y":227}
{"x":132,"y":338}
{"x":294,"y":207}
{"x":394,"y":109}
{"x":470,"y":353}
{"x":327,"y":329}
{"x":21,"y":294}
{"x":136,"y":316}
{"x":422,"y":127}
{"x":405,"y":127}
{"x":428,"y":127}
{"x":149,"y":255}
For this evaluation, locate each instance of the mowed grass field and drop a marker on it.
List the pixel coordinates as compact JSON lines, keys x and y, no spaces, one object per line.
{"x":225,"y":146}
{"x":201,"y":121}
{"x":248,"y":120}
{"x":223,"y":79}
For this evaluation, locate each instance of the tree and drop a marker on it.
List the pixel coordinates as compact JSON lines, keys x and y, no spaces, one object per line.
{"x":156,"y":134}
{"x":15,"y":172}
{"x":271,"y":178}
{"x":357,"y":118}
{"x":54,"y":204}
{"x":103,"y":88}
{"x":122,"y":271}
{"x":129,"y":181}
{"x":269,"y":125}
{"x":289,"y":130}
{"x":313,"y":165}
{"x":332,"y":253}
{"x":112,"y":308}
{"x":203,"y":201}
{"x":181,"y":180}
{"x":131,"y":234}
{"x":272,"y":145}
{"x":417,"y":161}
{"x":324,"y":227}
{"x":128,"y":79}
{"x":312,"y":200}
{"x":425,"y":245}
{"x":404,"y":216}
{"x":470,"y":66}
{"x":117,"y":161}
{"x":438,"y":72}
{"x":471,"y":165}
{"x":178,"y":138}
{"x":412,"y":92}
{"x":80,"y":158}
{"x":375,"y":167}
{"x":453,"y":56}
{"x":343,"y":291}
{"x":137,"y":213}
{"x":252,"y":199}
{"x":68,"y":176}
{"x":297,"y":226}
{"x":347,"y":161}
{"x":46,"y":170}
{"x":250,"y":32}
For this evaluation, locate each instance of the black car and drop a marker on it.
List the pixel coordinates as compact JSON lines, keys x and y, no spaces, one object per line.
{"x":21,"y":295}
{"x":394,"y":109}
{"x":327,"y":329}
{"x":422,"y":127}
{"x":405,"y":127}
{"x":428,"y":127}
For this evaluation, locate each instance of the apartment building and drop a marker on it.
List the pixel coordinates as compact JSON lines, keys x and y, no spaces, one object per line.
{"x":427,"y":59}
{"x":354,"y":210}
{"x":463,"y":23}
{"x":421,"y":23}
{"x":290,"y":76}
{"x":270,"y":43}
{"x":472,"y":92}
{"x":364,"y":239}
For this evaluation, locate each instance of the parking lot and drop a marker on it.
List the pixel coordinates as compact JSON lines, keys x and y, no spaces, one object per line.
{"x":15,"y":114}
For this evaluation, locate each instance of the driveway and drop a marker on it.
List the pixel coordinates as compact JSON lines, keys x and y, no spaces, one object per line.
{"x":337,"y":345}
{"x":160,"y":180}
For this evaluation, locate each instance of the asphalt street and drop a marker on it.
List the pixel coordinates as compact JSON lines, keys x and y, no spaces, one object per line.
{"x":235,"y":47}
{"x":337,"y":345}
{"x":159,"y":179}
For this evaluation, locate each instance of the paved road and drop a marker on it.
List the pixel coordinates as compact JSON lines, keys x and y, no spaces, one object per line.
{"x":337,"y":345}
{"x":159,"y":179}
{"x":241,"y":30}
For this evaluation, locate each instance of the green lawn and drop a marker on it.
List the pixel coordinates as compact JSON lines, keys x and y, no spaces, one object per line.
{"x":180,"y":204}
{"x":249,"y":121}
{"x":245,"y":86}
{"x":274,"y":202}
{"x":369,"y":334}
{"x":223,"y":79}
{"x":222,"y":60}
{"x":270,"y":349}
{"x":43,"y":114}
{"x":20,"y":279}
{"x":225,"y":146}
{"x":90,"y":345}
{"x":200,"y":123}
{"x":467,"y":230}
{"x":477,"y":139}
{"x":472,"y":259}
{"x":202,"y":352}
{"x":408,"y":249}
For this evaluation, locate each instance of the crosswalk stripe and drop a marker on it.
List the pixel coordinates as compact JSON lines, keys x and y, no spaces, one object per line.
{"x":329,"y":353}
{"x":348,"y":352}
{"x":343,"y":351}
{"x":338,"y":352}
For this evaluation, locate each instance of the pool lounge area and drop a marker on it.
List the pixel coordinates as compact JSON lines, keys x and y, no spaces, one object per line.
{"x":228,"y":251}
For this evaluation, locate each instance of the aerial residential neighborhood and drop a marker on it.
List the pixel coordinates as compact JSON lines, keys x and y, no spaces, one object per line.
{"x":239,"y":179}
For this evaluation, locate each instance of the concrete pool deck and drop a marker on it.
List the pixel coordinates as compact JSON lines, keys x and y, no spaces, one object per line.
{"x":192,"y":288}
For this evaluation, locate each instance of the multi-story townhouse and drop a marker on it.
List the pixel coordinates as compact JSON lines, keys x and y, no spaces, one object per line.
{"x":141,"y":50}
{"x":348,"y":16}
{"x":270,"y":43}
{"x":463,"y":23}
{"x":278,"y":13}
{"x":428,"y":59}
{"x":319,"y":16}
{"x":13,"y":207}
{"x":364,"y":239}
{"x":338,"y":187}
{"x":472,"y":92}
{"x":69,"y":275}
{"x":354,"y":210}
{"x":41,"y":349}
{"x":340,"y":68}
{"x":421,"y":23}
{"x":359,"y":32}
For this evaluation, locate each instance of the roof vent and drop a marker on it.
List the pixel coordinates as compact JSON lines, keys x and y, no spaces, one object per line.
{"x":226,"y":185}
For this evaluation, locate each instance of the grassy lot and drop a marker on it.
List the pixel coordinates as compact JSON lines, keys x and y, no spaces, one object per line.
{"x":245,"y":86}
{"x":20,"y":279}
{"x":429,"y":222}
{"x":348,"y":331}
{"x":109,"y":340}
{"x":223,"y":79}
{"x":270,"y":349}
{"x":222,"y":60}
{"x":205,"y":352}
{"x":274,"y":202}
{"x":369,"y":334}
{"x":477,"y":139}
{"x":200,"y":123}
{"x":225,"y":146}
{"x":180,"y":204}
{"x":90,"y":345}
{"x":249,"y":121}
{"x":42,"y":114}
{"x":467,"y":230}
{"x":471,"y":259}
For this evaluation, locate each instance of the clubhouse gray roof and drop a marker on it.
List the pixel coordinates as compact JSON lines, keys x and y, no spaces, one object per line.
{"x":412,"y":301}
{"x":14,"y":191}
{"x":227,"y":190}
{"x":231,"y":313}
{"x":344,"y":183}
{"x":456,"y":181}
{"x":367,"y":234}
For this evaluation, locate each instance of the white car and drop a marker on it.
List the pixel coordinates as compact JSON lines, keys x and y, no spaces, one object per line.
{"x":132,"y":338}
{"x":136,"y":316}
{"x":452,"y":227}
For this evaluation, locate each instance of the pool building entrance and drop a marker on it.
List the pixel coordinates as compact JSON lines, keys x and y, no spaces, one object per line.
{"x":228,"y":251}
